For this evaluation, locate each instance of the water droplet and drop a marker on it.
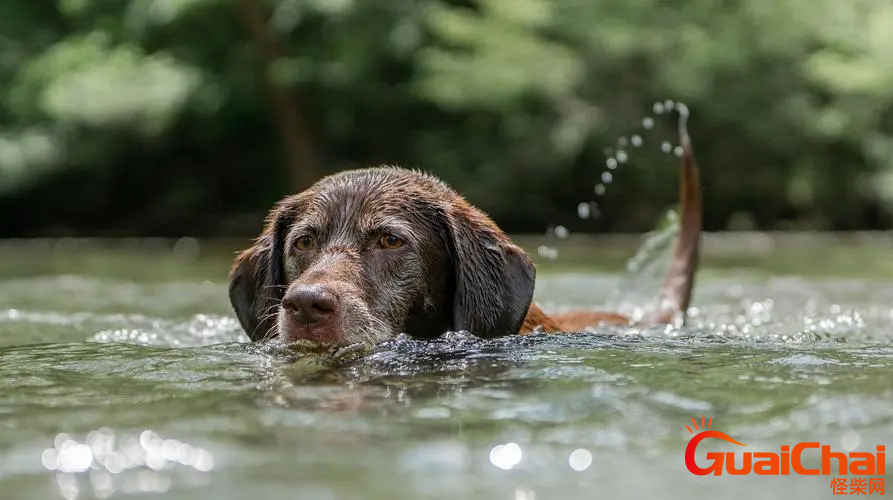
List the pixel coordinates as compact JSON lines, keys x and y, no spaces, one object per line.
{"x":547,"y":252}
{"x":850,"y":439}
{"x":622,"y":156}
{"x":600,"y":189}
{"x":607,"y":177}
{"x":668,"y":104}
{"x":49,"y":458}
{"x":580,"y":459}
{"x":583,"y":210}
{"x":658,"y":108}
{"x":77,"y":458}
{"x":636,"y":140}
{"x":611,"y":163}
{"x":506,"y":456}
{"x":648,"y":122}
{"x":666,"y":147}
{"x":678,"y":151}
{"x":623,"y":142}
{"x":204,"y":462}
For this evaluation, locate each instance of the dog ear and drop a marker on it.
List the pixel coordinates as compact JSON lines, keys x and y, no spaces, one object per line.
{"x":257,"y":279}
{"x":494,"y":277}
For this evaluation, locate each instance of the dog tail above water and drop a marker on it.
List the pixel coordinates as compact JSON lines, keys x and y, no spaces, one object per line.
{"x":676,"y":291}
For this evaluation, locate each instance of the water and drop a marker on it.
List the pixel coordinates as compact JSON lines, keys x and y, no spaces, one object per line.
{"x":615,"y":157}
{"x":124,"y":373}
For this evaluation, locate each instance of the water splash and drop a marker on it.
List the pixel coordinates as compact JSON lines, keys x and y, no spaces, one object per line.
{"x":652,"y":259}
{"x":617,"y":157}
{"x":201,"y":329}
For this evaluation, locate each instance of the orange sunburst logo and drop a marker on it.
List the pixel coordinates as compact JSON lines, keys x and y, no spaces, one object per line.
{"x":695,"y":423}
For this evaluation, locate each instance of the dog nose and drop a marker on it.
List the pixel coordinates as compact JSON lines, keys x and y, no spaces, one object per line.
{"x":312,"y":303}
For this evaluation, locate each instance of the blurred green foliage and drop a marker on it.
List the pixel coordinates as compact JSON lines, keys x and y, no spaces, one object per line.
{"x":193,"y":116}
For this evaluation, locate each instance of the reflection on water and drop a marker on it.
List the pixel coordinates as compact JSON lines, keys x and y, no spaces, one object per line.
{"x":108,"y":459}
{"x":140,"y":384}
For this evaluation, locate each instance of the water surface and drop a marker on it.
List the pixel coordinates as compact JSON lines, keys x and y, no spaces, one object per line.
{"x":123,"y":373}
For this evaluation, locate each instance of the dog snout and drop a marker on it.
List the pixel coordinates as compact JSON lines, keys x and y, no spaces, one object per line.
{"x":311,"y":303}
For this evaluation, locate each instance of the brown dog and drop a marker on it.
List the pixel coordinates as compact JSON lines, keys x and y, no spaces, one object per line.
{"x":364,"y":255}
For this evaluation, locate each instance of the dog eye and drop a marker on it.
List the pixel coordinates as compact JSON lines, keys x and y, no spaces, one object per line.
{"x":390,"y":242}
{"x":305,"y":243}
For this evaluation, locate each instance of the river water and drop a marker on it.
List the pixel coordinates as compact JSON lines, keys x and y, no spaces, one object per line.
{"x":124,"y":373}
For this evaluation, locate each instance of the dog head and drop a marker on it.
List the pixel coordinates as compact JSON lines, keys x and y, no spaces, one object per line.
{"x":364,"y":255}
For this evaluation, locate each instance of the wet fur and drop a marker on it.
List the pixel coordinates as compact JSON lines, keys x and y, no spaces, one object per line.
{"x":456,"y":271}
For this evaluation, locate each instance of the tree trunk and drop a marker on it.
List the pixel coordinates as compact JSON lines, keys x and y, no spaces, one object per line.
{"x":301,"y":161}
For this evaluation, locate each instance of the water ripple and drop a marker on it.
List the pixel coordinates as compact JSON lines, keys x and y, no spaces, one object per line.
{"x":115,"y":388}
